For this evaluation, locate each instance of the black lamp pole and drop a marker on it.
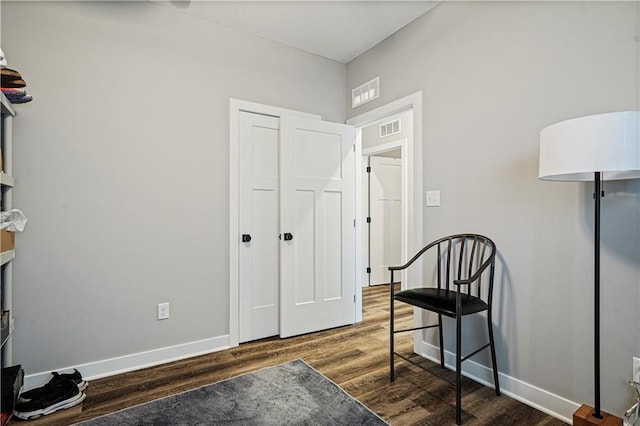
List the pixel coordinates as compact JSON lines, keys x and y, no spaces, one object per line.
{"x":596,"y":356}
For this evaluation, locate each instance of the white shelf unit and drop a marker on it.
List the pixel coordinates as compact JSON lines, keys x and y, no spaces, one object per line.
{"x":6,"y":203}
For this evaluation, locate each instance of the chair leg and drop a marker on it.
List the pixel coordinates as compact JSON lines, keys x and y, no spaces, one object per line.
{"x":441,"y":341}
{"x":458,"y":369}
{"x":392,"y":373}
{"x":493,"y":353}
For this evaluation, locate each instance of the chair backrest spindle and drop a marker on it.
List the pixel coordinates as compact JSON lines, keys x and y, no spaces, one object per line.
{"x":461,"y":256}
{"x":448,"y":262}
{"x":471,"y":257}
{"x":439,"y":267}
{"x":480,"y":262}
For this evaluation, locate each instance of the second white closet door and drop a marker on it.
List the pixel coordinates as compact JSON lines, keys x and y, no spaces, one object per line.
{"x":317,"y":209}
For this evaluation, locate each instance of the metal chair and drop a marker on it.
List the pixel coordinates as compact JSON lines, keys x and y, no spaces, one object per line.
{"x":466,"y":258}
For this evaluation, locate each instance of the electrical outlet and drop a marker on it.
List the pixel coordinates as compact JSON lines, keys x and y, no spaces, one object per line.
{"x":163,"y":311}
{"x":636,"y":369}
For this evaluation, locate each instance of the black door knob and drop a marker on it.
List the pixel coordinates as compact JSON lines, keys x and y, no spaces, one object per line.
{"x":288,"y":236}
{"x":246,"y":238}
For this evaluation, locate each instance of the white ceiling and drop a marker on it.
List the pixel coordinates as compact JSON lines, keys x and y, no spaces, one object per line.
{"x":338,"y":30}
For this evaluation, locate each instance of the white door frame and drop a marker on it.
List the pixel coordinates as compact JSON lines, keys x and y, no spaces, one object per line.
{"x":414,"y":154}
{"x":235,"y":106}
{"x":400,"y":144}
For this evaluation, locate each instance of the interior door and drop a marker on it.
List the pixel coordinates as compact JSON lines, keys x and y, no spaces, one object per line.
{"x":317,"y":218}
{"x":385,"y":194}
{"x":259,"y":206}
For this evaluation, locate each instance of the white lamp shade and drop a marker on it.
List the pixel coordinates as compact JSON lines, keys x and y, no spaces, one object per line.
{"x":573,"y":150}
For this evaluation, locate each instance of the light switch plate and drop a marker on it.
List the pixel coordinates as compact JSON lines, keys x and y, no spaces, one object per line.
{"x":163,"y":311}
{"x":433,"y":198}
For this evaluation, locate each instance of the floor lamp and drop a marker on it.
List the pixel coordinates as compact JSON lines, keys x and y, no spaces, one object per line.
{"x":593,"y":148}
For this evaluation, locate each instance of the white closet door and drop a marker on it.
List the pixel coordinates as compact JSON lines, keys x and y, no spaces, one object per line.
{"x":386,"y":231}
{"x":259,"y":206}
{"x":317,"y":281}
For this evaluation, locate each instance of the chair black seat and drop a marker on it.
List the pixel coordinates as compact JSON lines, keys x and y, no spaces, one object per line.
{"x":441,"y":301}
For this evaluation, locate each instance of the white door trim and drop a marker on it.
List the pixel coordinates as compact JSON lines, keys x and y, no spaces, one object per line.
{"x":384,"y":147}
{"x":235,"y":106}
{"x":415,"y":184}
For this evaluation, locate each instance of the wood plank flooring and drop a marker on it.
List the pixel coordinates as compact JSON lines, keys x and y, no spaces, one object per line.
{"x":355,"y":357}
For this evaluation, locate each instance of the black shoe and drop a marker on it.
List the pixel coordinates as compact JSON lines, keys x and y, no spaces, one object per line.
{"x":61,"y":395}
{"x":57,"y":378}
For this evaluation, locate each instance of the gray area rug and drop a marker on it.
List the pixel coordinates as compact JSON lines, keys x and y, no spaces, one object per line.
{"x":287,"y":394}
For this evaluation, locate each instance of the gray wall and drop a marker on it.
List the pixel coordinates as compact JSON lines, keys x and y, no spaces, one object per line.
{"x":493,"y":74}
{"x":122,"y":167}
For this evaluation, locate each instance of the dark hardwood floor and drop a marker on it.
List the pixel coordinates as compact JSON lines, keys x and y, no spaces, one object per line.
{"x":355,"y":357}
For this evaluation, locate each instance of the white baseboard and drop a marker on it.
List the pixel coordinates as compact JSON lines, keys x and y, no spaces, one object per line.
{"x":136,"y":361}
{"x":540,"y":399}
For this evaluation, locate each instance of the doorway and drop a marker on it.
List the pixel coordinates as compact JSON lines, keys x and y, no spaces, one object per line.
{"x":412,"y":171}
{"x":383,"y":208}
{"x":386,"y":199}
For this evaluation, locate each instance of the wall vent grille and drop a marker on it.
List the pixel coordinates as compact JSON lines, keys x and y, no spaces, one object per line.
{"x":390,"y":128}
{"x":365,"y":92}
